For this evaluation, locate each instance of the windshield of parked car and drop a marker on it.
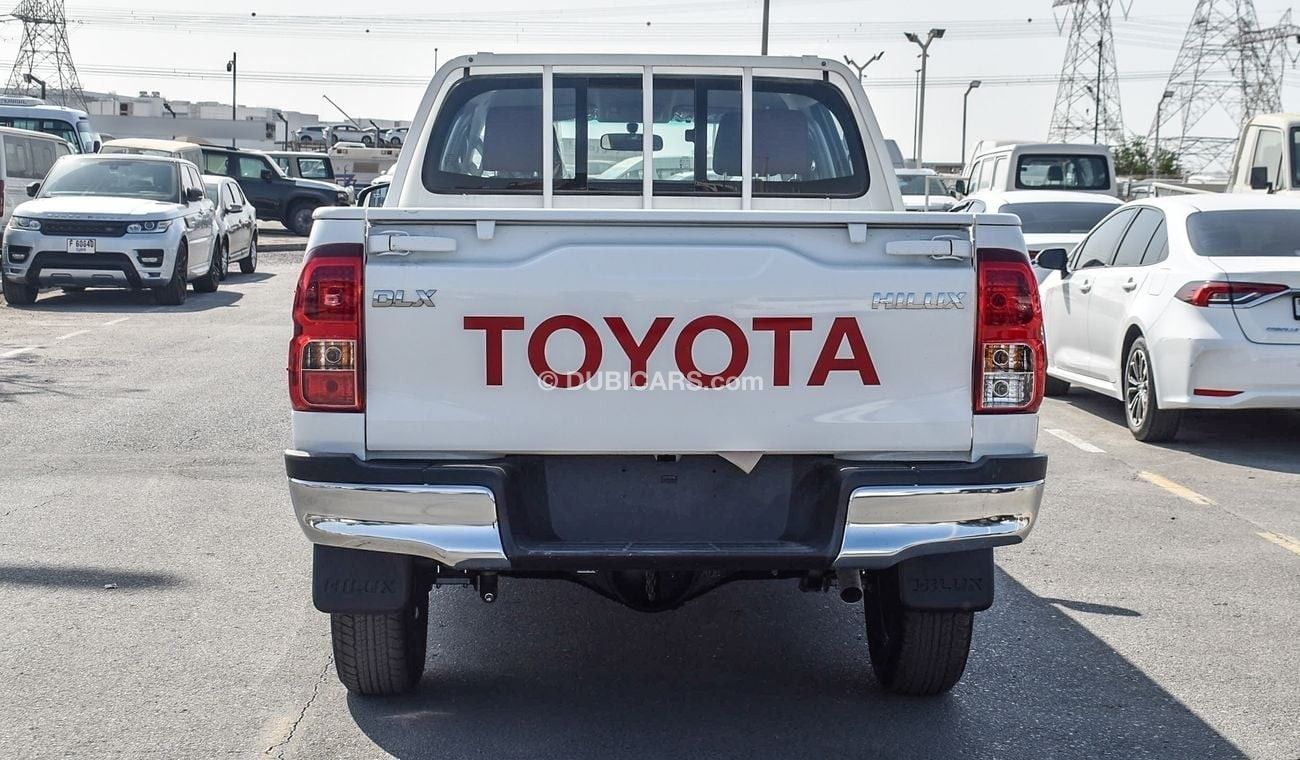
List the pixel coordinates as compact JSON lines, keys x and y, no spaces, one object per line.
{"x":1063,"y":172}
{"x":150,"y":180}
{"x":914,"y":184}
{"x":1063,"y":218}
{"x":1245,"y":232}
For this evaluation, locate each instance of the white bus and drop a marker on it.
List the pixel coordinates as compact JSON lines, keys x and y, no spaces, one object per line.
{"x":38,"y":116}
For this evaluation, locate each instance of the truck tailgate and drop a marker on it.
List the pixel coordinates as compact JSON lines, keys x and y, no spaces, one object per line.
{"x":666,"y":332}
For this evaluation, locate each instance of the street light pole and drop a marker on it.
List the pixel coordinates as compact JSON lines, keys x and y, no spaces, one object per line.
{"x":1155,"y":149}
{"x":933,"y":35}
{"x":965,"y":99}
{"x":233,"y":67}
{"x":767,"y":7}
{"x":29,"y":78}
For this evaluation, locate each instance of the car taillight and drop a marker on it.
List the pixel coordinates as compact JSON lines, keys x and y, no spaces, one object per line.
{"x":1010,"y":363}
{"x":325,"y":368}
{"x":1224,"y":293}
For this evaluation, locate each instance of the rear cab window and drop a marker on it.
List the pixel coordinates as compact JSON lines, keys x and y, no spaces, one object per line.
{"x":1038,"y":171}
{"x":1245,"y":232}
{"x":487,"y":137}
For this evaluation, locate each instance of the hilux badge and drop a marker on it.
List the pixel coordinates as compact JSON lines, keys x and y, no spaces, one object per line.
{"x":386,"y":298}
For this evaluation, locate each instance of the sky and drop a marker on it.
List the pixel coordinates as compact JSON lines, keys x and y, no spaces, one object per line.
{"x":292,"y":53}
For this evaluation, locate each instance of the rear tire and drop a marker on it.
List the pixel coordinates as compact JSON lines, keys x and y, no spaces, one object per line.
{"x":919,"y":653}
{"x":225,"y":260}
{"x":1146,"y":420}
{"x":1056,"y":387}
{"x":211,"y":280}
{"x":299,"y":219}
{"x":248,"y":264}
{"x":381,"y":654}
{"x":174,"y":292}
{"x":18,"y":294}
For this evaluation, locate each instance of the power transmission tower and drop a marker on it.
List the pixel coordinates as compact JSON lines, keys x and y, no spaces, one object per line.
{"x":1087,"y":99}
{"x":1227,"y":70}
{"x":43,"y":54}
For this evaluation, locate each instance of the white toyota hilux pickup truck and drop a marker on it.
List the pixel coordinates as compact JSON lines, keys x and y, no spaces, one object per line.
{"x":539,"y":359}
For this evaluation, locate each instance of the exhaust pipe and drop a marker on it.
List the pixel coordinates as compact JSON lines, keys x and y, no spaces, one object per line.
{"x":850,"y":583}
{"x":486,"y":583}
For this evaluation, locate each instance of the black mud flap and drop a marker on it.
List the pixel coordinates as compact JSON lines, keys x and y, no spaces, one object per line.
{"x":356,"y":581}
{"x":960,"y":581}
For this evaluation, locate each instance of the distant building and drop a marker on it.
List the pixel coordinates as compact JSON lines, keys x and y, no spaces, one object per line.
{"x":149,"y":114}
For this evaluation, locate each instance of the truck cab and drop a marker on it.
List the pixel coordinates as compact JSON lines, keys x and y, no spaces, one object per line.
{"x":1266,"y":160}
{"x":751,"y":366}
{"x":1004,"y":166}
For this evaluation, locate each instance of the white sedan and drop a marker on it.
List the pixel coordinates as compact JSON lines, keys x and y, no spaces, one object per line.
{"x":1189,"y":302}
{"x":1048,"y":218}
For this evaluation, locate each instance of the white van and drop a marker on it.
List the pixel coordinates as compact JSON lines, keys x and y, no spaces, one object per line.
{"x":70,"y":124}
{"x":1005,"y":166}
{"x":25,"y":157}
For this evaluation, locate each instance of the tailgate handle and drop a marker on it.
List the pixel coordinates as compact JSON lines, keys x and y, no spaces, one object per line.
{"x":947,"y":248}
{"x":391,"y":243}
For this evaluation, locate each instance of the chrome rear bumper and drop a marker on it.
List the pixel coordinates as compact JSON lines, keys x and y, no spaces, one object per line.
{"x":887,"y":521}
{"x":453,"y":525}
{"x":460,"y":525}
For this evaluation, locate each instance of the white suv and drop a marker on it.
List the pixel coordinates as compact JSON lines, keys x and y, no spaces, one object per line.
{"x":120,"y":221}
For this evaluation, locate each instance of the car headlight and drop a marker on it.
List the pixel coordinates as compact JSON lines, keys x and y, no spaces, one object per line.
{"x":159,"y":226}
{"x":24,"y":223}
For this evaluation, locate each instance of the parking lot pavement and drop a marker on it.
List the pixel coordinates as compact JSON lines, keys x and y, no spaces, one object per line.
{"x":154,"y":594}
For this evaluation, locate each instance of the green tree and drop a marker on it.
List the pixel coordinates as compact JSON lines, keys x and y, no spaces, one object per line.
{"x":1133,"y":159}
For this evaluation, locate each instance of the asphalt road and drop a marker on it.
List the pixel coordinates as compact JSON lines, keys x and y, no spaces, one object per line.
{"x":154,"y":590}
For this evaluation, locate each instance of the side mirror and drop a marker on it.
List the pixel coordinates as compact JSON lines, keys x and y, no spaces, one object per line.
{"x":194,"y":195}
{"x":234,"y":208}
{"x":94,"y":148}
{"x":33,"y":188}
{"x":1259,"y":178}
{"x":1055,"y":259}
{"x":267,"y":174}
{"x":959,"y":188}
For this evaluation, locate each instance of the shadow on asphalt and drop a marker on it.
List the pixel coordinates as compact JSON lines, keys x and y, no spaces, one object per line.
{"x":77,"y":576}
{"x":1264,"y":438}
{"x":236,"y":277}
{"x":129,"y":301}
{"x":554,"y":671}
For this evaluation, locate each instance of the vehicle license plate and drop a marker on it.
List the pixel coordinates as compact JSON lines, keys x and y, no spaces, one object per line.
{"x":81,"y":245}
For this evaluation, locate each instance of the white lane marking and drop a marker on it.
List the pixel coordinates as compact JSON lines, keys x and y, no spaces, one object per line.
{"x":17,"y":351}
{"x":1181,"y":491}
{"x":117,"y":321}
{"x":72,"y":334}
{"x":1282,"y":540}
{"x":1075,"y":441}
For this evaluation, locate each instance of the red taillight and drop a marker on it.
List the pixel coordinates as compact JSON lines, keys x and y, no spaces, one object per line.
{"x":1010,"y":363}
{"x":325,"y":368}
{"x":1224,"y":293}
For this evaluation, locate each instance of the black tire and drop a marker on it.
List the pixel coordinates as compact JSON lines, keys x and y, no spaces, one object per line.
{"x":396,"y":142}
{"x":248,"y":264}
{"x":174,"y":292}
{"x":919,"y":653}
{"x":299,"y":218}
{"x":368,"y":141}
{"x":18,"y":294}
{"x":379,"y":655}
{"x":211,"y":279}
{"x":225,"y":260}
{"x":1146,"y":420}
{"x":1056,"y":387}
